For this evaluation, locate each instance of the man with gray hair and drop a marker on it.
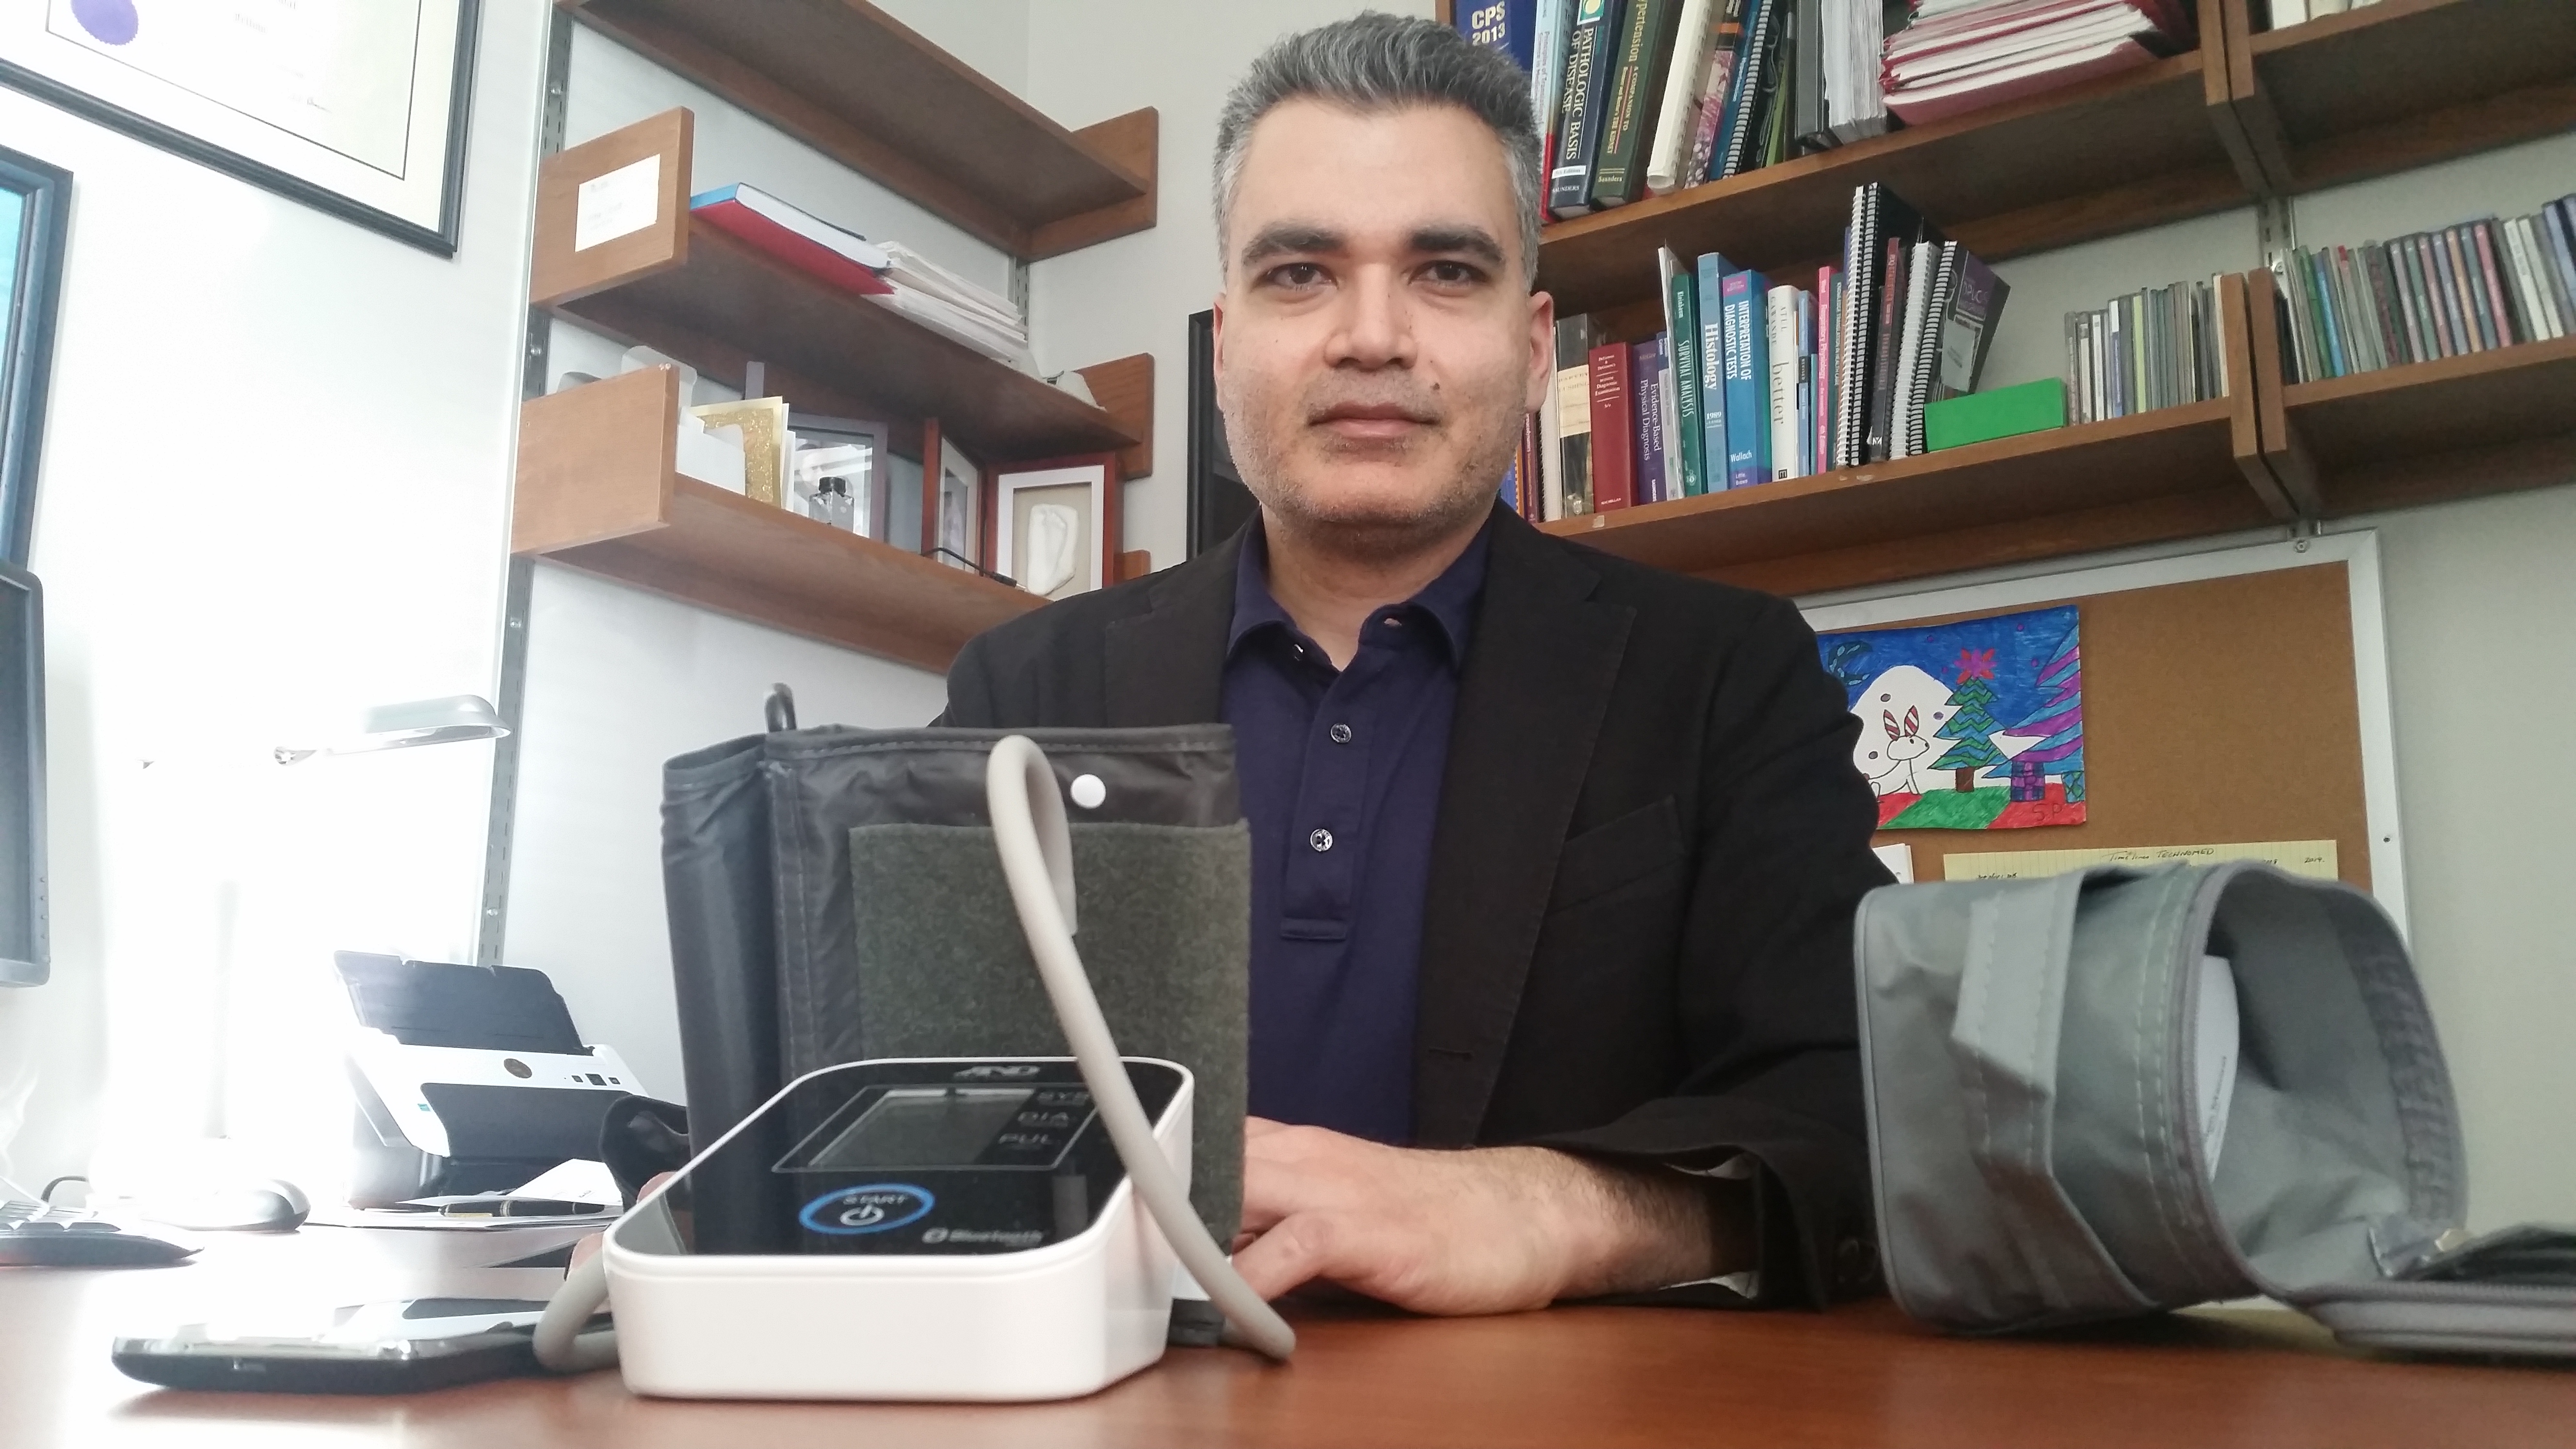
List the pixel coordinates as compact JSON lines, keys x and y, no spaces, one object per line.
{"x":1554,"y":856}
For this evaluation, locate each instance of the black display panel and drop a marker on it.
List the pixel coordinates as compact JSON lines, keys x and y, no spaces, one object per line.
{"x":892,"y":1158}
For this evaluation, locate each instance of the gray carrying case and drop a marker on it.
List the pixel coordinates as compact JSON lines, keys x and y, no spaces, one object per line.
{"x":2038,"y":1103}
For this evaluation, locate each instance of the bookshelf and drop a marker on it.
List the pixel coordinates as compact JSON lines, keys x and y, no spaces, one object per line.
{"x":2132,"y":150}
{"x":2456,"y":427}
{"x":2398,"y":85}
{"x":700,"y":295}
{"x":856,"y":84}
{"x":2250,"y":116}
{"x":2179,"y":472}
{"x":597,"y":492}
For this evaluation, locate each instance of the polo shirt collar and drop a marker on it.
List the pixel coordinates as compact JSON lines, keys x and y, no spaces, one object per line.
{"x":1449,"y":600}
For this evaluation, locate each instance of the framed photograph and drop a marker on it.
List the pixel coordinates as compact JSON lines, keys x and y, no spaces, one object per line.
{"x":1055,"y":524}
{"x":355,"y":107}
{"x":854,"y":450}
{"x":35,"y":207}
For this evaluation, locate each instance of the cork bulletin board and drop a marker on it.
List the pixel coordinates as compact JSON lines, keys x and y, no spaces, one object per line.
{"x":2229,"y":697}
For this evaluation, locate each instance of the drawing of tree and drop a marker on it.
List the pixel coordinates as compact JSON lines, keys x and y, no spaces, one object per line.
{"x":2059,"y":718}
{"x":1970,"y":720}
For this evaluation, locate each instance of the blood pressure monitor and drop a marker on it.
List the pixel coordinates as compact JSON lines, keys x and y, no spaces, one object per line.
{"x":948,"y":1230}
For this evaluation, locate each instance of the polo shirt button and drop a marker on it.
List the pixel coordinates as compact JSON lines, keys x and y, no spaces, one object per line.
{"x":1341,"y":734}
{"x":1322,"y":840}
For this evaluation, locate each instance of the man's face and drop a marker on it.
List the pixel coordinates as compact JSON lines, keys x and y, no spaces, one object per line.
{"x":1376,"y":350}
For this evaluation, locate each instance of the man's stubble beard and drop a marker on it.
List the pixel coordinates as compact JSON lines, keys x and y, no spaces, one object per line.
{"x":1372,"y":531}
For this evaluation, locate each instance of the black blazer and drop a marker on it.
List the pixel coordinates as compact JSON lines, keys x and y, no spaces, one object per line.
{"x":1651,"y":841}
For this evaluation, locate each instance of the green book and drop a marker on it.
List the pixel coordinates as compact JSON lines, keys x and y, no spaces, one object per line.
{"x":1977,"y":417}
{"x":1681,"y":319}
{"x":1636,"y":92}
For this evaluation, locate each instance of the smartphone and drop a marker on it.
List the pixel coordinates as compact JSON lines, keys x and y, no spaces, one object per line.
{"x":370,"y":1348}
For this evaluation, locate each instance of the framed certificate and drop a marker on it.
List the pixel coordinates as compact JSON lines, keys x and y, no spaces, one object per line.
{"x":35,"y":205}
{"x":355,"y":107}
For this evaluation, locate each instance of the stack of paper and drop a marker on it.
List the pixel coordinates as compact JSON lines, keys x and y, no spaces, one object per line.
{"x":1964,"y":55}
{"x":950,"y":305}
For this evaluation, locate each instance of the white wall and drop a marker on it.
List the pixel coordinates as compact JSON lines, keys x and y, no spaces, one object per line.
{"x":2479,"y":595}
{"x":275,"y":488}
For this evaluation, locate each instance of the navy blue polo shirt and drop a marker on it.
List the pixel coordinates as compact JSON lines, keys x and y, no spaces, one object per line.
{"x":1341,"y":790}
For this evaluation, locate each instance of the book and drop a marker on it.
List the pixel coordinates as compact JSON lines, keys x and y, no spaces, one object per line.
{"x":1780,"y":321}
{"x":1971,"y":57}
{"x":1580,"y":104}
{"x":1614,"y":428}
{"x":1574,"y":413}
{"x":1819,"y":442}
{"x":1709,"y":278}
{"x":1808,"y":123}
{"x":1756,"y":69}
{"x":1887,"y":334}
{"x":2499,"y":309}
{"x":1919,"y":268}
{"x":1687,"y":444}
{"x":1549,"y":456}
{"x":1645,"y":380}
{"x":1882,"y":226}
{"x":1972,"y":309}
{"x":1547,"y":67}
{"x":1507,"y":27}
{"x":1685,"y":79}
{"x":1724,"y":44}
{"x":1636,"y":91}
{"x":1748,"y":379}
{"x":799,"y":238}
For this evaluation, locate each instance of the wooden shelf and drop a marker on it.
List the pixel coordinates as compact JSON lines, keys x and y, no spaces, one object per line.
{"x":856,"y":84}
{"x":2163,"y":475}
{"x":2401,"y":84}
{"x":597,"y":492}
{"x":2179,"y":472}
{"x":700,"y":295}
{"x":2129,"y":151}
{"x":2459,"y":427}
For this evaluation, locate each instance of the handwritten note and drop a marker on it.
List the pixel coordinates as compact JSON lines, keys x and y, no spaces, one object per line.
{"x":2299,"y":857}
{"x":622,"y":202}
{"x":1899,"y":860}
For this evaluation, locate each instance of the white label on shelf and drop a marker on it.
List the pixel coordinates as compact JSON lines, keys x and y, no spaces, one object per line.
{"x":618,"y":204}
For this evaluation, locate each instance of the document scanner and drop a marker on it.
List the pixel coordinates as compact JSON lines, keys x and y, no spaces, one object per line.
{"x":468,"y":1078}
{"x":991,"y":1229}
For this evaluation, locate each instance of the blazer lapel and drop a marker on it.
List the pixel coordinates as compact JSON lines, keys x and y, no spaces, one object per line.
{"x":1537,"y":682}
{"x":1166,"y":666}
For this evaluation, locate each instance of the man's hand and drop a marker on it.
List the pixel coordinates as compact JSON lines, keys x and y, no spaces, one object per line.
{"x":1489,"y":1230}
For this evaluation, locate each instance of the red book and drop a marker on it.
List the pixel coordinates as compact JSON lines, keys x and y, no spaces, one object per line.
{"x":765,"y":224}
{"x":1614,"y":429}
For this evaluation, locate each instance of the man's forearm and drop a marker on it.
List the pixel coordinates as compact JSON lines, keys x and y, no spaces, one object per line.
{"x":1633,"y":1229}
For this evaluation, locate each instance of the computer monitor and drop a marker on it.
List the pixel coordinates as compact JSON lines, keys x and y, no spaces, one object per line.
{"x":22,"y":780}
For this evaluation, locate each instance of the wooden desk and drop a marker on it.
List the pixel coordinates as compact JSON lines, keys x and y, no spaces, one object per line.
{"x":1861,"y":1375}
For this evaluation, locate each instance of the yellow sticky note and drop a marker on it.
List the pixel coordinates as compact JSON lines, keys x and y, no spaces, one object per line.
{"x":2298,"y":857}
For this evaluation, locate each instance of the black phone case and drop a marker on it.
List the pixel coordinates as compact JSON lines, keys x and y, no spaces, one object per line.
{"x":508,"y":1355}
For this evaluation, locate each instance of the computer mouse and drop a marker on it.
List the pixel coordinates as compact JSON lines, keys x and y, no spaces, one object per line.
{"x":274,"y":1206}
{"x":84,"y":1243}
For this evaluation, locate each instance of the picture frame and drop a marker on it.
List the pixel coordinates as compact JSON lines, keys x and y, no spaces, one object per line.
{"x":35,"y":212}
{"x":872,"y":490}
{"x":356,"y":108}
{"x":1052,"y":555}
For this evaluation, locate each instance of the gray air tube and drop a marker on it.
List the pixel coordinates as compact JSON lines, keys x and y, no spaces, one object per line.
{"x":1037,"y":860}
{"x":1029,"y":829}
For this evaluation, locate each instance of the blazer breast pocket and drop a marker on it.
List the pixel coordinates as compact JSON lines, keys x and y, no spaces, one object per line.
{"x":1616,"y":854}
